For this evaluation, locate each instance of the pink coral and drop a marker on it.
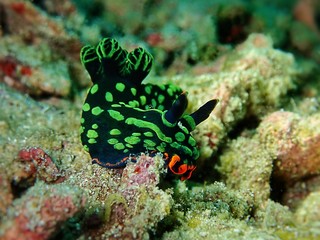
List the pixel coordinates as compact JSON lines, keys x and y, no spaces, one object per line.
{"x":39,"y":163}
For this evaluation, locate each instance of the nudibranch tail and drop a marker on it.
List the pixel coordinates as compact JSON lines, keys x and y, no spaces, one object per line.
{"x":122,"y":117}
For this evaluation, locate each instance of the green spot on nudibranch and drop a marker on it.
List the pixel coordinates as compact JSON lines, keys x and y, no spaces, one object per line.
{"x":97,"y":111}
{"x":146,"y":124}
{"x":81,"y":130}
{"x":86,"y":107}
{"x":129,"y":145}
{"x":126,"y":150}
{"x":180,"y":136}
{"x":161,"y":98}
{"x":82,"y":120}
{"x":119,"y":146}
{"x":160,"y":148}
{"x":136,"y":134}
{"x":94,"y":89}
{"x":182,"y":148}
{"x":95,"y":126}
{"x":192,"y":141}
{"x":160,"y":107}
{"x":162,"y":87}
{"x":120,"y":87}
{"x":133,"y":103}
{"x":170,"y":92}
{"x":149,"y":142}
{"x":115,"y":131}
{"x":148,"y":134}
{"x":86,"y":148}
{"x":148,"y":89}
{"x":153,"y":102}
{"x":92,"y":141}
{"x":112,"y":141}
{"x":116,"y":115}
{"x":133,"y":91}
{"x":92,"y":134}
{"x":132,"y":140}
{"x":143,"y":100}
{"x":109,"y":97}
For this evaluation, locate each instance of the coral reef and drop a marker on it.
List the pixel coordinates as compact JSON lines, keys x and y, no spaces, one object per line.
{"x":123,"y":201}
{"x":40,"y":165}
{"x":40,"y":212}
{"x":258,"y":174}
{"x":248,"y":82}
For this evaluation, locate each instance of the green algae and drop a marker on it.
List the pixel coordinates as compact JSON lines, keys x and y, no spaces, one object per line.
{"x":112,"y":199}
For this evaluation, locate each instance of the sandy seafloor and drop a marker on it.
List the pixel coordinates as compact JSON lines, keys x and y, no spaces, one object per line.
{"x":257,"y":176}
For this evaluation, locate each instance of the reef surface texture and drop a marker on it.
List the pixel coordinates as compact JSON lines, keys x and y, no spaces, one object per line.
{"x":258,"y":173}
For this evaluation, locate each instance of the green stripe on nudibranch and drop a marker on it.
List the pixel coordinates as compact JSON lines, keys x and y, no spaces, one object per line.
{"x":121,"y":116}
{"x":145,"y":124}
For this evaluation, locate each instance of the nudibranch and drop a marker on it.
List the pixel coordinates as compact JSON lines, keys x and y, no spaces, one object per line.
{"x":121,"y":117}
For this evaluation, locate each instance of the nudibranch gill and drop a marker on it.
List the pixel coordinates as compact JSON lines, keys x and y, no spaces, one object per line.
{"x":122,"y":117}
